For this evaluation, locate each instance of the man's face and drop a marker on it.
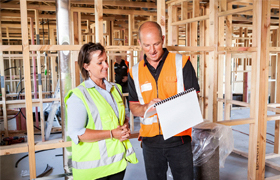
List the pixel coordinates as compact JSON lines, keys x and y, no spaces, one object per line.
{"x":152,"y":43}
{"x":118,"y":59}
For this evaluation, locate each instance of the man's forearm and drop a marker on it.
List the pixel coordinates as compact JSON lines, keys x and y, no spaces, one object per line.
{"x":137,"y":109}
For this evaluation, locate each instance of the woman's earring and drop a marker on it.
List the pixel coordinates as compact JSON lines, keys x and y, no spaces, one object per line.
{"x":89,"y":73}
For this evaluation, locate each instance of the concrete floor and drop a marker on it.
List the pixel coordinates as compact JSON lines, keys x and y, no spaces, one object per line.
{"x":235,"y":166}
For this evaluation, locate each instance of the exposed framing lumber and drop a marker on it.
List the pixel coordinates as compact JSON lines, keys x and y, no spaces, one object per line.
{"x":184,"y":16}
{"x":213,"y":59}
{"x":274,"y":49}
{"x":194,"y":37}
{"x":228,"y":88}
{"x":202,"y":59}
{"x":271,"y":156}
{"x":195,"y":19}
{"x":11,"y":48}
{"x":172,"y":30}
{"x":115,"y":11}
{"x":221,"y":42}
{"x":40,"y":86}
{"x":28,"y":97}
{"x":206,"y":63}
{"x":161,"y":20}
{"x":267,"y":163}
{"x":190,"y":48}
{"x":98,"y":21}
{"x":105,"y":3}
{"x":202,"y":50}
{"x":3,"y":89}
{"x":256,"y":164}
{"x":273,"y":71}
{"x":34,"y":70}
{"x":50,"y":144}
{"x":235,"y":11}
{"x":236,"y":122}
{"x":273,"y":178}
{"x":277,"y":123}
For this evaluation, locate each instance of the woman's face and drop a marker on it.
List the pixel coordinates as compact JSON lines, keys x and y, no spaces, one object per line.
{"x":98,"y":66}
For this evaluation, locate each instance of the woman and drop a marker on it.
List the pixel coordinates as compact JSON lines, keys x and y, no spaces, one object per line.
{"x":96,"y":121}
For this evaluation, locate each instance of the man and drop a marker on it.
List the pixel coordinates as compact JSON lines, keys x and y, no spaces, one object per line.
{"x":121,"y":68}
{"x":150,"y":81}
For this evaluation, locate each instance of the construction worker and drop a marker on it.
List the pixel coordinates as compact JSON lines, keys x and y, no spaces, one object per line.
{"x":121,"y":68}
{"x":154,"y":78}
{"x":96,"y":121}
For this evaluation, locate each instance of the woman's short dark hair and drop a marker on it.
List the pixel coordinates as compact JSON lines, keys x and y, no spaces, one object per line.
{"x":85,"y":56}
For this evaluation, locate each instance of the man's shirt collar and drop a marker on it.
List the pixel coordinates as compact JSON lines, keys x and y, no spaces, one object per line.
{"x":162,"y":59}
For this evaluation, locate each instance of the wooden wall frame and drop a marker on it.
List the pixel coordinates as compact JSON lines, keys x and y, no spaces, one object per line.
{"x":205,"y":37}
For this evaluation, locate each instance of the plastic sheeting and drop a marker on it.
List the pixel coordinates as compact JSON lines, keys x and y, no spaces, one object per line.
{"x":206,"y":137}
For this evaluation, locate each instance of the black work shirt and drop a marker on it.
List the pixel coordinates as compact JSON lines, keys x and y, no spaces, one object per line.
{"x":190,"y":81}
{"x":120,"y":71}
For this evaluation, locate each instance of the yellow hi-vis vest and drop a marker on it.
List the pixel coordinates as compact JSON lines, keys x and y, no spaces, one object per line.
{"x":105,"y":157}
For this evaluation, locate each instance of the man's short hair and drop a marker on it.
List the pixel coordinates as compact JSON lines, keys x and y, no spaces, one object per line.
{"x":154,"y":23}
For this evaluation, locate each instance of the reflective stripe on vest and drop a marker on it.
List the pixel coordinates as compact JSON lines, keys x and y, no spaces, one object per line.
{"x":104,"y":159}
{"x":179,"y":73}
{"x":180,"y":85}
{"x":149,"y":120}
{"x":135,"y":70}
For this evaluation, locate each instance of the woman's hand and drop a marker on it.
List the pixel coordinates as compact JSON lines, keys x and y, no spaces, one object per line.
{"x":121,"y":132}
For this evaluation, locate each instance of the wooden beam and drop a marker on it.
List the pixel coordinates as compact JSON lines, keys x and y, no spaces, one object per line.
{"x":200,"y":18}
{"x":206,"y":64}
{"x":273,"y":62}
{"x":221,"y":42}
{"x":237,"y":49}
{"x":263,"y":86}
{"x":105,"y":3}
{"x":190,"y":48}
{"x":259,"y":90}
{"x":3,"y":89}
{"x":274,"y":49}
{"x":14,"y":149}
{"x":11,"y":47}
{"x":98,"y":21}
{"x":202,"y":58}
{"x":161,"y":20}
{"x":194,"y":37}
{"x":267,"y":163}
{"x":115,"y":11}
{"x":175,"y":2}
{"x":172,"y":30}
{"x":130,"y":28}
{"x":272,"y":21}
{"x":28,"y":97}
{"x":277,"y":123}
{"x":76,"y":28}
{"x":235,"y":11}
{"x":39,"y":71}
{"x":184,"y":16}
{"x":273,"y":178}
{"x":213,"y":59}
{"x":236,"y":122}
{"x":228,"y":87}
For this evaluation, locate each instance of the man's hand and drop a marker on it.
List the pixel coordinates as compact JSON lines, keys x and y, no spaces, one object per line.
{"x":124,"y":79}
{"x":138,"y":109}
{"x":152,"y":102}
